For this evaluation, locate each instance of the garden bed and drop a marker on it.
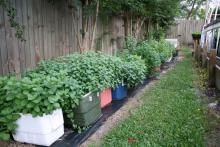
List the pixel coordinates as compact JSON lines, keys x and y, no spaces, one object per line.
{"x":75,"y":139}
{"x":77,"y":83}
{"x":71,"y":138}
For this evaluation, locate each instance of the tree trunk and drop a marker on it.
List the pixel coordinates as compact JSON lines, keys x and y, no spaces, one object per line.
{"x":138,"y":26}
{"x":191,"y":10}
{"x":85,"y":35}
{"x":75,"y":32}
{"x":127,"y":24}
{"x":94,"y":27}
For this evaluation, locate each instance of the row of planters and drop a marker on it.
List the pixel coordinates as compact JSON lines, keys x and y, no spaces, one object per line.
{"x":71,"y":90}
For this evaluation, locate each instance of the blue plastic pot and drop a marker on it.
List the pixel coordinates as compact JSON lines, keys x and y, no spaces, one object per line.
{"x":120,"y":92}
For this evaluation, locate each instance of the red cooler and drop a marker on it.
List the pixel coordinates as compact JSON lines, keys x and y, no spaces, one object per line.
{"x":106,"y":97}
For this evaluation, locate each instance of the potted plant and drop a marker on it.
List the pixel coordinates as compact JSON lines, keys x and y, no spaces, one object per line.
{"x":106,"y":97}
{"x":119,"y":92}
{"x":41,"y":130}
{"x":196,"y":35}
{"x":88,"y":110}
{"x":37,"y":101}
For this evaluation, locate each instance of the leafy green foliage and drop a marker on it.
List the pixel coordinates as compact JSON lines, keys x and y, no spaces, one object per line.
{"x":93,"y":72}
{"x":149,"y":55}
{"x":36,"y":94}
{"x":61,"y":82}
{"x":164,"y":48}
{"x":196,"y":33}
{"x":171,"y":114}
{"x":134,"y":69}
{"x":152,"y":52}
{"x":162,"y":12}
{"x":8,"y":113}
{"x":192,"y":9}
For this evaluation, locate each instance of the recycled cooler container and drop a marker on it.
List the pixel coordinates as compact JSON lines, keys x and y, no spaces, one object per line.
{"x":89,"y":110}
{"x":120,"y":92}
{"x":44,"y":130}
{"x":106,"y":97}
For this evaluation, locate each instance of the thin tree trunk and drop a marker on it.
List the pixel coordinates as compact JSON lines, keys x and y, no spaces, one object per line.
{"x":138,"y":27}
{"x":126,"y":24}
{"x":191,"y":11}
{"x":85,"y":22}
{"x":76,"y":33}
{"x":95,"y":24}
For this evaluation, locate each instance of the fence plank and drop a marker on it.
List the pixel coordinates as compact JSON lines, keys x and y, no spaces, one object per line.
{"x":53,"y":32}
{"x":49,"y":28}
{"x":4,"y":56}
{"x":20,"y":43}
{"x":26,"y":35}
{"x":185,"y":29}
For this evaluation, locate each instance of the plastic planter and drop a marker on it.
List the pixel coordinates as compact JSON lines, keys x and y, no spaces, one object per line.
{"x":43,"y":130}
{"x":106,"y":97}
{"x":88,"y":111}
{"x":196,"y":36}
{"x":120,"y":92}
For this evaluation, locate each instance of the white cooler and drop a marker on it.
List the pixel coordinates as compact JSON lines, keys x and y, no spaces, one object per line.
{"x":174,"y":42}
{"x":43,"y":130}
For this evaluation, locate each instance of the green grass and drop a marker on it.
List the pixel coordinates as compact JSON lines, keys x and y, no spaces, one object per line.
{"x":171,"y":114}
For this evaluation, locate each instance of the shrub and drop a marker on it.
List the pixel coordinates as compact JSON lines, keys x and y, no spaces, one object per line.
{"x":134,"y":68}
{"x":149,"y":55}
{"x":130,"y":43}
{"x":152,"y":52}
{"x":164,"y":48}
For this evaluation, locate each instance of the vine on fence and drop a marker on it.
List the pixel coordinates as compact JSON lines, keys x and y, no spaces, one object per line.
{"x":11,"y":12}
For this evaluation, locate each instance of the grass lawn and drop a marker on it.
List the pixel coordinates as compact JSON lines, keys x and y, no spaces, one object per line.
{"x":171,"y":114}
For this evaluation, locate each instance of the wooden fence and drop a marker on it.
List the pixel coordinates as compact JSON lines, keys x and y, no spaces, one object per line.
{"x":50,"y":31}
{"x":53,"y":30}
{"x":182,"y":29}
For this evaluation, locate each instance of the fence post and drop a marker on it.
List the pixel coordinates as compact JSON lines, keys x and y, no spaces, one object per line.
{"x":211,"y":67}
{"x":200,"y":52}
{"x":196,"y":49}
{"x":204,"y":57}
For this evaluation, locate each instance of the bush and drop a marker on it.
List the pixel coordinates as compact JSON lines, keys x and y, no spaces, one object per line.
{"x":152,"y":52}
{"x":134,"y":69}
{"x":143,"y":49}
{"x":164,"y":48}
{"x":149,"y":55}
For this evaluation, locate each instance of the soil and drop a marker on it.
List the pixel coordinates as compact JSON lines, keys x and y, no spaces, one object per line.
{"x":211,"y":97}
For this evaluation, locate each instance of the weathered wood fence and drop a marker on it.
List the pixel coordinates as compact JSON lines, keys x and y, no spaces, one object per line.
{"x":182,"y":29}
{"x":51,"y":30}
